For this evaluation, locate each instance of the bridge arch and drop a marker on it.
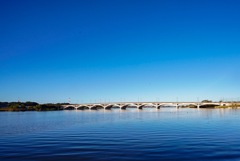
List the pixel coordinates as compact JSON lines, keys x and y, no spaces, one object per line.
{"x":146,"y":105}
{"x":96,"y":107}
{"x":108,"y":107}
{"x":124,"y":107}
{"x":69,"y":108}
{"x":83,"y":107}
{"x":190,"y":105}
{"x":208,"y":105}
{"x":168,"y":105}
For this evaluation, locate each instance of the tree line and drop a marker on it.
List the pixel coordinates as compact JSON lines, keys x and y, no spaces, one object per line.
{"x":30,"y":106}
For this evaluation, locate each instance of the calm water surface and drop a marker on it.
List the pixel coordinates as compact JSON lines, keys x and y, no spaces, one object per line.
{"x":148,"y":134}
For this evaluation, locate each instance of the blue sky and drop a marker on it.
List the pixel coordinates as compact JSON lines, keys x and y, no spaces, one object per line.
{"x":122,"y":50}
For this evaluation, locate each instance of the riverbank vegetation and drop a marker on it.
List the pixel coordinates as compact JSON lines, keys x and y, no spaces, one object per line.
{"x":29,"y":106}
{"x":232,"y":105}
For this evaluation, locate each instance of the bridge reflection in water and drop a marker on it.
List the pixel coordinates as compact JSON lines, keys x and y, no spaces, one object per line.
{"x":157,"y":105}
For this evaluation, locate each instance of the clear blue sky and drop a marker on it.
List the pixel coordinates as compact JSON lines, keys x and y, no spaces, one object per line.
{"x":113,"y":50}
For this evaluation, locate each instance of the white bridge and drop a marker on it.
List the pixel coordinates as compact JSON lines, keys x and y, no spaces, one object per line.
{"x":141,"y":105}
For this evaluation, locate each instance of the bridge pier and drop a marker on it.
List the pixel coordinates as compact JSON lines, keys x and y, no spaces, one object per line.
{"x":158,"y":107}
{"x":139,"y":107}
{"x":198,"y":106}
{"x":177,"y":106}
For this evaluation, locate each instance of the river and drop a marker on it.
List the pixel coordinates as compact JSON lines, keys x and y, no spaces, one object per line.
{"x":132,"y":134}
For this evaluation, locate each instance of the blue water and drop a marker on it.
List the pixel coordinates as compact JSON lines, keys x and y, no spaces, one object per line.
{"x":148,"y":134}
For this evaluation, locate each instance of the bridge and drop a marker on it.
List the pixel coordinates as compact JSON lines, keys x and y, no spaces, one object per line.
{"x":141,"y":105}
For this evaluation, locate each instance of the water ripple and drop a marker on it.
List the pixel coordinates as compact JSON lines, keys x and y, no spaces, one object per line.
{"x":149,"y":134}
